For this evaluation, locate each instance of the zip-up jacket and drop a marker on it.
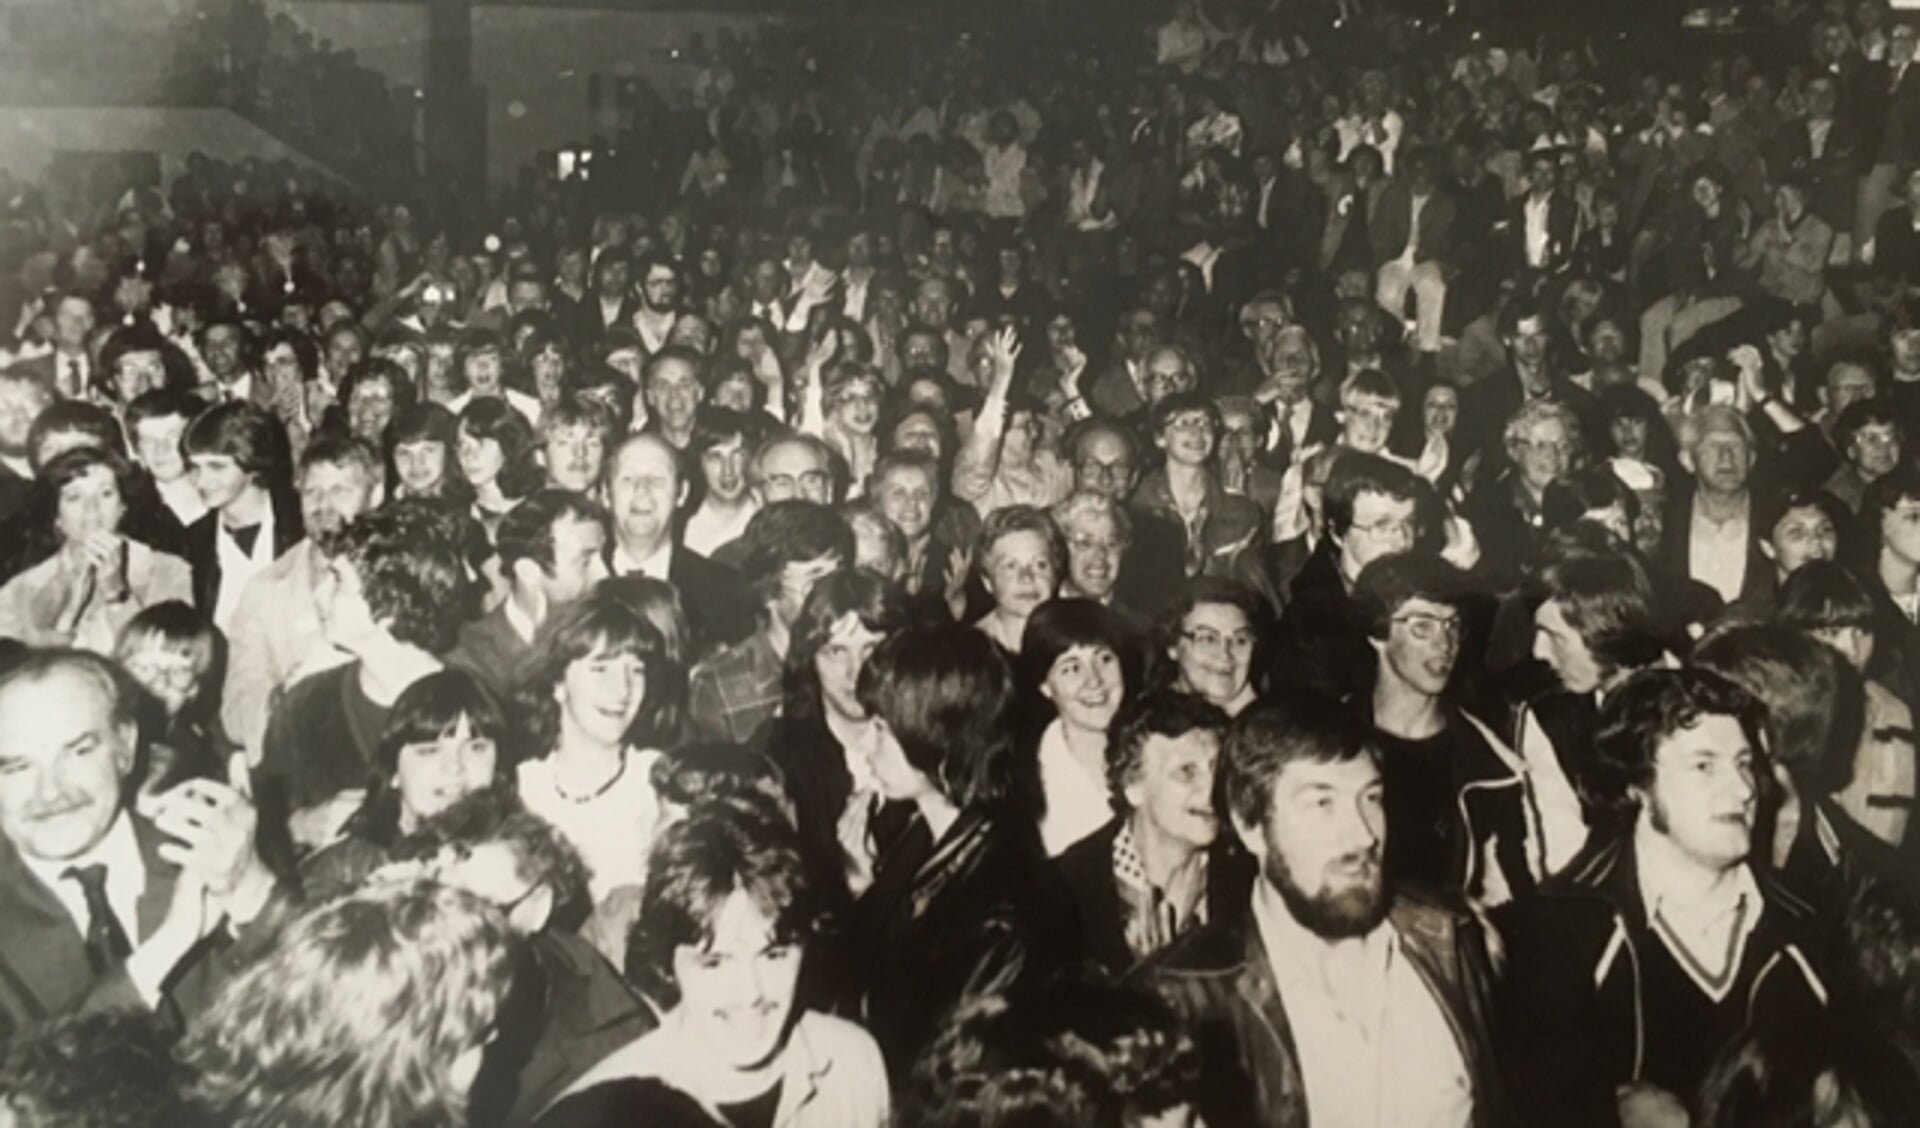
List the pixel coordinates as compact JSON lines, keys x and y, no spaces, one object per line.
{"x":1574,"y":1005}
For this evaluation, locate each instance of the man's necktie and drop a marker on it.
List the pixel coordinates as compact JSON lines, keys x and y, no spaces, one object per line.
{"x":76,"y":384}
{"x":106,"y":940}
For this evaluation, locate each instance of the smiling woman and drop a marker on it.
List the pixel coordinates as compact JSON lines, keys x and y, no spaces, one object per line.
{"x":725,"y":922}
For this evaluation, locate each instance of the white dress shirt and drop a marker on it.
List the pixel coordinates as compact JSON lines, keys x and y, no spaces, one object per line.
{"x":1375,"y":1049}
{"x":655,"y":566}
{"x":119,"y":851}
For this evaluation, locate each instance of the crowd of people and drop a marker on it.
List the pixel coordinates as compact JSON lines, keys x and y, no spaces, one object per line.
{"x":1312,"y":565}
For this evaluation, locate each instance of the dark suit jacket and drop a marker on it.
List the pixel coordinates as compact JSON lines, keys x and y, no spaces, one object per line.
{"x":1563,"y":232}
{"x":1392,"y":222}
{"x":203,"y":553}
{"x":14,"y":491}
{"x":1113,"y":393}
{"x":1832,"y":175}
{"x":1900,"y":137}
{"x":43,"y":956}
{"x":720,"y":609}
{"x":491,"y":650}
{"x":1759,"y":579}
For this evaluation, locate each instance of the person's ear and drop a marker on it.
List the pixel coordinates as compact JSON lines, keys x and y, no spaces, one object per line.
{"x":1135,"y":794}
{"x":1252,"y":836}
{"x":680,"y":499}
{"x":1767,"y":550}
{"x":1686,"y":460}
{"x":126,"y":749}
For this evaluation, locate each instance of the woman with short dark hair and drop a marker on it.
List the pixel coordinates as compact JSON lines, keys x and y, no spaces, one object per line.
{"x":725,"y":923}
{"x":445,"y":739}
{"x":961,"y":904}
{"x":81,"y":578}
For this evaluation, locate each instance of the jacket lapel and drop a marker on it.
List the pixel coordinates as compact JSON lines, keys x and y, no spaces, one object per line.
{"x":42,"y":953}
{"x":1258,"y":989}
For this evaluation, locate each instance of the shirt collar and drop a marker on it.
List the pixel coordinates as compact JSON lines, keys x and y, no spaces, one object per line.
{"x":1296,"y":954}
{"x":118,"y":850}
{"x":1658,"y":867}
{"x":655,"y":566}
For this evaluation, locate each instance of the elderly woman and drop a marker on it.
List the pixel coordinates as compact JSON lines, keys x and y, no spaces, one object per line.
{"x":1020,"y":559}
{"x":1160,"y":866}
{"x":81,"y":578}
{"x":961,"y":904}
{"x":1543,"y":445}
{"x":374,"y":1008}
{"x":726,"y":921}
{"x":1072,"y":675}
{"x":1210,"y":633}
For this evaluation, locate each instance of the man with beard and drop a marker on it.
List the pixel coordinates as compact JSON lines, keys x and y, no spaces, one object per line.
{"x":276,"y":635}
{"x":1339,"y":998}
{"x":1628,"y":973}
{"x":659,"y":304}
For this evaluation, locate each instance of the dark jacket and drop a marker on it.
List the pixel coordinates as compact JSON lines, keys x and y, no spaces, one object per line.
{"x":945,"y":921}
{"x":1232,"y":523}
{"x":44,"y":971}
{"x":203,"y":553}
{"x":1574,"y":1012}
{"x":491,"y":649}
{"x":1086,"y":870}
{"x":1220,"y":981}
{"x":1322,"y":643}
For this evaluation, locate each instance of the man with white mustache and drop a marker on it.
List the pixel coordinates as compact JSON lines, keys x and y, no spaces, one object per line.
{"x":1340,"y":998}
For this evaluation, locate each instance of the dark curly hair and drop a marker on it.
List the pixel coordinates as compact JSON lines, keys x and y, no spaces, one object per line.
{"x":1644,"y":711}
{"x":413,"y":573}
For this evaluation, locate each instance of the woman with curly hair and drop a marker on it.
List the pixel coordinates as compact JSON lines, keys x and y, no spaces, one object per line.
{"x":374,"y":1008}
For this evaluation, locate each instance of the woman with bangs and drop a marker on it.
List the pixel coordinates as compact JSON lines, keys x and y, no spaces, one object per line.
{"x":596,"y":702}
{"x":445,"y":739}
{"x":728,"y":919}
{"x":1072,"y":675}
{"x":821,"y":736}
{"x":496,"y":450}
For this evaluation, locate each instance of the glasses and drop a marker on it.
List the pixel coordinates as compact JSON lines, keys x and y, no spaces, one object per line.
{"x":1430,"y":628}
{"x":1559,"y":448}
{"x":1196,"y":424}
{"x":1206,"y":638}
{"x":1116,"y":471}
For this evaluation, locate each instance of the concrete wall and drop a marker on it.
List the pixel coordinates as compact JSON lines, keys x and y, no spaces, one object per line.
{"x":30,"y":138}
{"x":533,"y":61}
